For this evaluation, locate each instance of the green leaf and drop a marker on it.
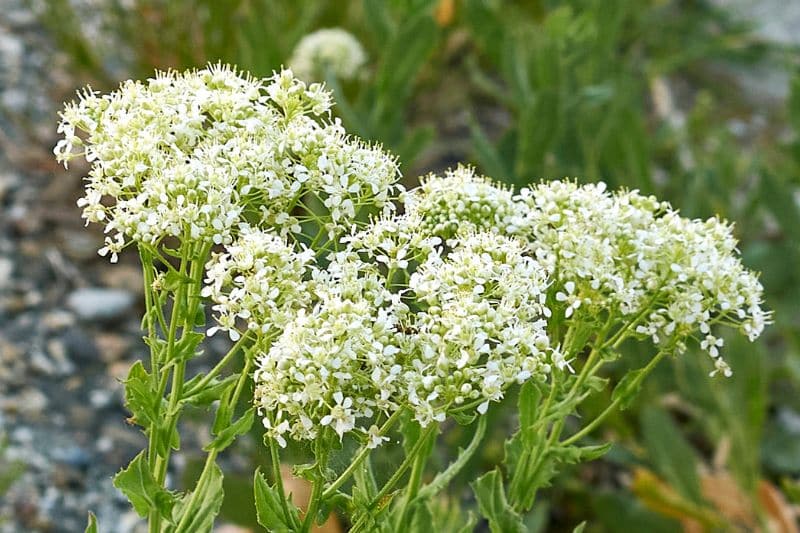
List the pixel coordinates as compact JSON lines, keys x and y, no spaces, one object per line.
{"x":212,"y":392}
{"x":91,"y":527}
{"x":494,"y":506}
{"x":576,"y":454}
{"x":222,"y":418}
{"x":794,"y":102}
{"x":628,"y":387}
{"x":173,"y":279}
{"x":138,"y":485}
{"x":204,"y":511}
{"x":270,"y":512}
{"x":140,"y":397}
{"x":580,"y":527}
{"x":670,"y":453}
{"x":227,"y":435}
{"x":528,"y":404}
{"x":444,"y":478}
{"x":403,"y":56}
{"x":186,"y":347}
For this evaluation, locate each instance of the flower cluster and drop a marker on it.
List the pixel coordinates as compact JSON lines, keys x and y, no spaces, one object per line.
{"x":622,"y":256}
{"x":480,"y":328}
{"x":330,"y":48}
{"x":463,"y":201}
{"x":260,"y":280}
{"x":190,"y":155}
{"x":438,"y":310}
{"x":669,"y":276}
{"x":335,"y":363}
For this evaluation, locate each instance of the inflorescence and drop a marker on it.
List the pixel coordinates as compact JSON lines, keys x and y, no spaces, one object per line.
{"x":439,"y":309}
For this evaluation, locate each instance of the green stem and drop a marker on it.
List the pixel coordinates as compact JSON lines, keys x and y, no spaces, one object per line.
{"x":359,"y":458}
{"x":218,"y":368}
{"x":613,"y":406}
{"x":211,"y":458}
{"x":314,"y":502}
{"x":397,"y":474}
{"x":278,"y":478}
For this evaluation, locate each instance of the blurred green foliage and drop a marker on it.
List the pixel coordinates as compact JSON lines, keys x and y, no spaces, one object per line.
{"x":638,"y":94}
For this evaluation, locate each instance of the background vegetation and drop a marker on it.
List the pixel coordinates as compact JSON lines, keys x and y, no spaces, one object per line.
{"x":656,"y":95}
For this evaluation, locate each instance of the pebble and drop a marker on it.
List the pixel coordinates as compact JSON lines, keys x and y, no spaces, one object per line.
{"x":6,"y":268}
{"x":80,"y":346}
{"x":112,"y":347}
{"x":30,"y":403}
{"x":57,"y":320}
{"x":101,"y":304}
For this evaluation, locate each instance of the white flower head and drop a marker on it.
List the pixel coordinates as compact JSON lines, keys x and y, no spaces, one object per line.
{"x":332,"y":49}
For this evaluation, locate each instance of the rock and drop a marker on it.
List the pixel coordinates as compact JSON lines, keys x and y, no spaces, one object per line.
{"x":112,"y":347}
{"x":73,"y":456}
{"x":42,"y":364}
{"x":79,"y":245}
{"x":6,"y":269}
{"x":57,"y":320}
{"x":100,"y":398}
{"x":97,"y":303}
{"x":29,"y":403}
{"x":80,"y":346}
{"x":58,"y":354}
{"x":122,"y":276}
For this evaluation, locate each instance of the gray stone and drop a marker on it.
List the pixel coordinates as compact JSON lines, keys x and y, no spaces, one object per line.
{"x":96,"y":303}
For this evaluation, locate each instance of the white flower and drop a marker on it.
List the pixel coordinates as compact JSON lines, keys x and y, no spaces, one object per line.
{"x":374,"y":437}
{"x":480,"y":328}
{"x":333,"y":364}
{"x":330,"y":48}
{"x":572,"y":300}
{"x":190,"y":155}
{"x":461,"y":201}
{"x":258,"y":280}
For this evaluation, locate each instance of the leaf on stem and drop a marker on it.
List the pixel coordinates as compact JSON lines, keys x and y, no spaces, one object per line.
{"x":225,"y":437}
{"x":138,"y":485}
{"x":628,"y":387}
{"x":494,"y":506}
{"x":205,"y":509}
{"x":186,"y":347}
{"x":273,"y":514}
{"x":210,"y":393}
{"x":140,"y":398}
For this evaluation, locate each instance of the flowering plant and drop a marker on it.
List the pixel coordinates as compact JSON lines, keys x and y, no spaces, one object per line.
{"x":357,"y":323}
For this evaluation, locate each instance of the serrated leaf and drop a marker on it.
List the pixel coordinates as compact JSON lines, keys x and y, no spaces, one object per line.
{"x":528,"y":404}
{"x":140,"y":397}
{"x":494,"y":506}
{"x":138,"y":485}
{"x":206,"y":509}
{"x":269,"y":510}
{"x":227,"y":435}
{"x":581,"y":454}
{"x":174,"y":279}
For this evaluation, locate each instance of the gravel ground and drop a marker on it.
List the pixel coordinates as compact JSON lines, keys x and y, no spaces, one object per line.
{"x":68,"y":320}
